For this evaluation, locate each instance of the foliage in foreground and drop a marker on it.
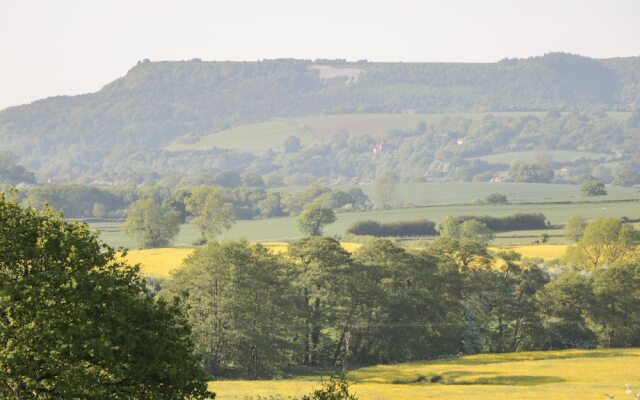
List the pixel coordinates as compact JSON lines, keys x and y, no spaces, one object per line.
{"x":335,"y":388}
{"x":75,"y":322}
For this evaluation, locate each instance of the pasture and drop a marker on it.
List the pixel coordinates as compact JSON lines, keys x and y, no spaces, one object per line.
{"x":447,"y":193}
{"x":550,"y":375}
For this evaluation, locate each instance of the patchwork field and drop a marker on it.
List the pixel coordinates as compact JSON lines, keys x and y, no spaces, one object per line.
{"x":551,"y":375}
{"x":284,"y":229}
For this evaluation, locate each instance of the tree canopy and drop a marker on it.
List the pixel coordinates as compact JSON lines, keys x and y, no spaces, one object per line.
{"x":212,"y":215}
{"x":150,"y":225}
{"x":313,"y":218}
{"x":76,"y":322}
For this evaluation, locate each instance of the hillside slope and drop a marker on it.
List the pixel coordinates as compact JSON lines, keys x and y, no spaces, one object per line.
{"x":73,"y":137}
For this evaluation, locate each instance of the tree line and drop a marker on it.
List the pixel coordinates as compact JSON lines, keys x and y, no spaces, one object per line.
{"x":250,"y":198}
{"x":256,"y":314}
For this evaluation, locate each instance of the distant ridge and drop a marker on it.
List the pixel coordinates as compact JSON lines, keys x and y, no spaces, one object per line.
{"x":157,"y":102}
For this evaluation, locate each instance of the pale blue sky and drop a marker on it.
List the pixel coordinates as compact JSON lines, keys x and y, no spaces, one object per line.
{"x":53,"y":47}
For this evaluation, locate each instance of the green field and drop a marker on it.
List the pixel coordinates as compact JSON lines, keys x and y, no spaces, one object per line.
{"x":532,"y":156}
{"x":284,"y":228}
{"x":550,"y":375}
{"x":252,"y":138}
{"x":442,"y":193}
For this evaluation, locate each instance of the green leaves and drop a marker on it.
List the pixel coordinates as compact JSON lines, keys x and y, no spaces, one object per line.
{"x":211,"y":214}
{"x":77,"y":323}
{"x":150,"y":225}
{"x":314,"y":218}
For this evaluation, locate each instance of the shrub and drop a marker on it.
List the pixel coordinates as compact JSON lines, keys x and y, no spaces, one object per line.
{"x":336,"y":388}
{"x":496,"y":198}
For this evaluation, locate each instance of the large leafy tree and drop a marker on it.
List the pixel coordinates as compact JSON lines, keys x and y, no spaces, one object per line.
{"x":77,"y":323}
{"x":150,"y":225}
{"x":574,"y":227}
{"x":314,"y":218}
{"x":605,"y":242}
{"x":212,"y":215}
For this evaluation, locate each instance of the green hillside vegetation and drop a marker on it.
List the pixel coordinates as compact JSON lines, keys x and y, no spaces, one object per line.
{"x":261,"y":136}
{"x":118,"y":134}
{"x":534,"y":156}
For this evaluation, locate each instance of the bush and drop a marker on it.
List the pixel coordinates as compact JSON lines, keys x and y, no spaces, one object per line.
{"x":336,"y":388}
{"x":496,"y":198}
{"x":422,"y":227}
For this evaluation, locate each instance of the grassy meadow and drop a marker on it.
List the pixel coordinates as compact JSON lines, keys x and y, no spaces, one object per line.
{"x":551,"y":375}
{"x":446,"y":193}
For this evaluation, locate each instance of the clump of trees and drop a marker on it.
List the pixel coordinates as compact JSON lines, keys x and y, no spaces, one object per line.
{"x":400,"y":228}
{"x":13,"y":173}
{"x":515,"y":222}
{"x":77,"y":322}
{"x":593,"y":188}
{"x":256,"y":313}
{"x":496,"y":198}
{"x":525,"y":172}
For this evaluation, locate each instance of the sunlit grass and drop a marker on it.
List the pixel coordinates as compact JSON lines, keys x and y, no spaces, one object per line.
{"x":555,"y":375}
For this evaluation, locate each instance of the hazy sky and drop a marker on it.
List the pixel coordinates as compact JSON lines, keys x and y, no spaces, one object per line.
{"x":52,"y":47}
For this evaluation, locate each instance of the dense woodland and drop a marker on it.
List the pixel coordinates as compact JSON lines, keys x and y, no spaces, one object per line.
{"x":117,"y":134}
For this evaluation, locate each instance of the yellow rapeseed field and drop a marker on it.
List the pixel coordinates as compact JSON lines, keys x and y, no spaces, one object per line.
{"x":551,"y":375}
{"x":545,"y":251}
{"x":160,"y":262}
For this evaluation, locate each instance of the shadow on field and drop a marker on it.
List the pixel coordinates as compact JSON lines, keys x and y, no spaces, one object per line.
{"x":511,"y":380}
{"x":529,"y":356}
